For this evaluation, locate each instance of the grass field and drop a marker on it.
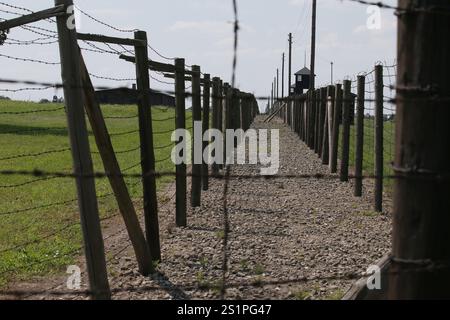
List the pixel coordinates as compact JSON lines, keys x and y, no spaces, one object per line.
{"x":369,"y":152}
{"x":40,"y":241}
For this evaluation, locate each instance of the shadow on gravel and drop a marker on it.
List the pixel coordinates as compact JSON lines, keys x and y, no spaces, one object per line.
{"x":168,"y":286}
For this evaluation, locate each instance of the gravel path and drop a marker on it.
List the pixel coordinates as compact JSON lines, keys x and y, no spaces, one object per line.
{"x":289,"y":238}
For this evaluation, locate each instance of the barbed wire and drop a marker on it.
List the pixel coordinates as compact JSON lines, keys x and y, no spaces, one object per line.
{"x":159,"y":54}
{"x":38,"y":154}
{"x":29,"y":60}
{"x":104,"y":23}
{"x":31,"y":111}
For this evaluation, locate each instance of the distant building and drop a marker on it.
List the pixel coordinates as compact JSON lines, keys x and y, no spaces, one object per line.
{"x":125,"y":96}
{"x":302,"y":81}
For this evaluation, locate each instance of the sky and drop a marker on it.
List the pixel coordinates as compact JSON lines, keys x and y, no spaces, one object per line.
{"x":201,"y":31}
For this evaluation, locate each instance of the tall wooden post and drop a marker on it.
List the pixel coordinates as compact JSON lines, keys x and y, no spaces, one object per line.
{"x":359,"y":148}
{"x":180,"y":123}
{"x":421,"y":237}
{"x":345,"y":156}
{"x":278,"y":84}
{"x":379,"y":125}
{"x":196,"y":186}
{"x":147,"y":151}
{"x":206,"y":107}
{"x":82,"y":162}
{"x":282,"y":77}
{"x":290,"y":65}
{"x":337,"y":116}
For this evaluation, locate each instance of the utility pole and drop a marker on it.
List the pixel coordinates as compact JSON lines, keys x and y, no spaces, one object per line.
{"x":313,"y":45}
{"x":332,"y":64}
{"x":282,"y":77}
{"x":278,"y":83}
{"x":290,"y":64}
{"x":421,"y":237}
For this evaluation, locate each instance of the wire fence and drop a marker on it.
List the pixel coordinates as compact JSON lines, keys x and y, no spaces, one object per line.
{"x":42,"y":247}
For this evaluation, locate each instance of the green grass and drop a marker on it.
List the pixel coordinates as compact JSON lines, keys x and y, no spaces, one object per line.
{"x":44,"y":241}
{"x":369,"y":144}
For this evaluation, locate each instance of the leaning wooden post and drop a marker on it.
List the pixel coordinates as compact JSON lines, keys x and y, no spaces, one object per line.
{"x":337,"y":115}
{"x":196,"y":185}
{"x":117,"y":182}
{"x":206,"y":107}
{"x":359,"y":148}
{"x":215,"y":114}
{"x":81,"y":156}
{"x":421,"y":237}
{"x":147,"y":151}
{"x":345,"y":156}
{"x":379,"y":124}
{"x":180,"y":124}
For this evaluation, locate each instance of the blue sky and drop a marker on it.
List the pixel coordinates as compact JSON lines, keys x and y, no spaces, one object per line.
{"x":201,"y":32}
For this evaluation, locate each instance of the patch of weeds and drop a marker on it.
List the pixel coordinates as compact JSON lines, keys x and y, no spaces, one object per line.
{"x":258,"y":269}
{"x":202,"y":282}
{"x":369,"y":213}
{"x":302,"y":295}
{"x":220,"y":234}
{"x":336,"y":295}
{"x":204,"y":261}
{"x":155,"y":264}
{"x":244,"y":265}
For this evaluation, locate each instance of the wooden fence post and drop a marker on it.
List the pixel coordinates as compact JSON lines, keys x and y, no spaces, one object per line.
{"x":312,"y":118}
{"x":337,"y":115}
{"x":379,"y":121}
{"x":421,"y":237}
{"x":225,"y":119}
{"x":180,"y":123}
{"x":302,"y":120}
{"x":147,"y":151}
{"x":215,"y":113}
{"x":196,"y":185}
{"x":236,"y":107}
{"x":330,"y":113}
{"x":322,"y":113}
{"x":317,"y":121}
{"x":325,"y":150}
{"x":206,"y":107}
{"x":345,"y":156}
{"x":359,"y":148}
{"x":82,"y":162}
{"x":111,"y":165}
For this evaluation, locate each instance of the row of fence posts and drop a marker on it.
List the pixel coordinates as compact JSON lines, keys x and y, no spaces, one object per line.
{"x":230,"y":108}
{"x":223,"y":108}
{"x":323,"y":118}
